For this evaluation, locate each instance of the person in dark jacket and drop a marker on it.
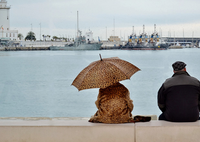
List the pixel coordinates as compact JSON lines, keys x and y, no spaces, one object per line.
{"x":179,"y":96}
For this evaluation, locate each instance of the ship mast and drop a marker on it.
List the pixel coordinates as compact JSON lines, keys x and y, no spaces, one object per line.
{"x":77,"y":24}
{"x":143,"y":29}
{"x":77,"y":37}
{"x":154,"y":28}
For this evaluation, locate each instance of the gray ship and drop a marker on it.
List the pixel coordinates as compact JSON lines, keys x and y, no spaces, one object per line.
{"x":80,"y":43}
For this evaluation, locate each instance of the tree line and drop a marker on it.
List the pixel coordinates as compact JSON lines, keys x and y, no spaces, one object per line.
{"x":31,"y":36}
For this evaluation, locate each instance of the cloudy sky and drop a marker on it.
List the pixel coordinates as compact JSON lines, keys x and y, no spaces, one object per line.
{"x":106,"y":17}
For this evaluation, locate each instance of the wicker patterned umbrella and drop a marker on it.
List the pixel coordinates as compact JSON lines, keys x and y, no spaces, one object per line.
{"x":103,"y":73}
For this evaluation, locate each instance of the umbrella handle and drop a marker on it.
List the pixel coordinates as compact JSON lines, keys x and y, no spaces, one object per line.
{"x":100,"y":57}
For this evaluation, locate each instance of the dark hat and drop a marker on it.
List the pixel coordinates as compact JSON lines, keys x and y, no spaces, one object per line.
{"x":177,"y":66}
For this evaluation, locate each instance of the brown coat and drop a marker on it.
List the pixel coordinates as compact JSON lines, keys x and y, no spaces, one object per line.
{"x":114,"y":105}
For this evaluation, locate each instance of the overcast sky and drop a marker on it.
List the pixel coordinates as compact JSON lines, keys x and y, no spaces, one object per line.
{"x":106,"y":17}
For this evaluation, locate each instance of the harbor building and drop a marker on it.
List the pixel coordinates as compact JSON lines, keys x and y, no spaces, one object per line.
{"x":114,"y":38}
{"x":194,"y":41}
{"x":5,"y":31}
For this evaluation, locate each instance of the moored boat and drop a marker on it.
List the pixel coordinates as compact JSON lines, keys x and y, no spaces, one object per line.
{"x":92,"y":46}
{"x":154,"y":43}
{"x":80,"y":43}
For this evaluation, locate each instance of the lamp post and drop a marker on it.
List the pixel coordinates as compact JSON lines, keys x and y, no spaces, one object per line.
{"x":114,"y":26}
{"x":31,"y":31}
{"x":192,"y":37}
{"x":106,"y":33}
{"x":174,"y":37}
{"x":40,"y":31}
{"x":183,"y":35}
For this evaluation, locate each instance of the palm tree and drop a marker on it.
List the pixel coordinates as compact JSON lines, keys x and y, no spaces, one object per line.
{"x":30,"y":36}
{"x":55,"y":38}
{"x":20,"y":36}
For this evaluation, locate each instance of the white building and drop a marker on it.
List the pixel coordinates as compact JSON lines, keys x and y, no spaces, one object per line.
{"x":5,"y":22}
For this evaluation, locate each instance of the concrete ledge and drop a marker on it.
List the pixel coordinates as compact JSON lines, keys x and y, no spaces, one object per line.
{"x":163,"y":131}
{"x":56,"y":130}
{"x":80,"y":130}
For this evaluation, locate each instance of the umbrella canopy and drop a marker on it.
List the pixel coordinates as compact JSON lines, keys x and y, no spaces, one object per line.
{"x":103,"y":73}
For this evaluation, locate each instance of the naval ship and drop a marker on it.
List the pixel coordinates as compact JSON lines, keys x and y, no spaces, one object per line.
{"x":81,"y":43}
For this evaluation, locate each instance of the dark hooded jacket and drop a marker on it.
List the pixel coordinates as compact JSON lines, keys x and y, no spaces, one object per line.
{"x":179,"y":98}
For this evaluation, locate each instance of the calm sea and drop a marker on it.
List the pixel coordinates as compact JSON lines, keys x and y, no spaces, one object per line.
{"x":38,"y":83}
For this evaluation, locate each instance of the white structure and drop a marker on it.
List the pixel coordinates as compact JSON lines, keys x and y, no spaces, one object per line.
{"x":89,"y":36}
{"x":5,"y":22}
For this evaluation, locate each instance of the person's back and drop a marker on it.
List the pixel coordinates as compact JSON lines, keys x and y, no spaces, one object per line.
{"x":178,"y":98}
{"x":114,"y":105}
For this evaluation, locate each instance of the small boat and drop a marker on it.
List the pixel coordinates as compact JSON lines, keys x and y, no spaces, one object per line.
{"x":141,"y":47}
{"x":177,"y":46}
{"x":92,"y":46}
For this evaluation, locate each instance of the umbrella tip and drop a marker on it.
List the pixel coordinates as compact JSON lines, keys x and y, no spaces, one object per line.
{"x":100,"y":57}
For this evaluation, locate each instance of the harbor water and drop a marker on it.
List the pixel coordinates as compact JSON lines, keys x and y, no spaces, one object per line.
{"x":38,"y":83}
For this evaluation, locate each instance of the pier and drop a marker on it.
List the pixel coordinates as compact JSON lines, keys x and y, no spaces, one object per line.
{"x":23,"y":48}
{"x":107,"y":45}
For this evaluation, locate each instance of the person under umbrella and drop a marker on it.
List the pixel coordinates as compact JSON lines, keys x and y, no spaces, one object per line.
{"x":113,"y":102}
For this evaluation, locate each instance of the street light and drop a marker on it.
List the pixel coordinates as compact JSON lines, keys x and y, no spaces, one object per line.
{"x":40,"y":31}
{"x":31,"y":32}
